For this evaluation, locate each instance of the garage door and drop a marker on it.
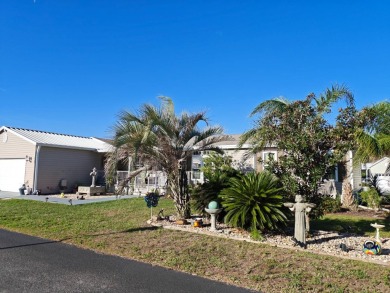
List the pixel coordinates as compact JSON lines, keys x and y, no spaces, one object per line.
{"x":12,"y":174}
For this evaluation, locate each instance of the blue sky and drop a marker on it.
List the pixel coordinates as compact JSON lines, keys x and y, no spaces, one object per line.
{"x":70,"y":66}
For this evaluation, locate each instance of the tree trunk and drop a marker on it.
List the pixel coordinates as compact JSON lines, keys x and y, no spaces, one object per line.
{"x":348,"y":199}
{"x":181,"y":196}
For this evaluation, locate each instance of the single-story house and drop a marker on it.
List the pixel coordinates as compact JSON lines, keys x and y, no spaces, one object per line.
{"x":242,"y":159}
{"x":379,"y":167}
{"x":47,"y":162}
{"x":248,"y":162}
{"x":381,"y":171}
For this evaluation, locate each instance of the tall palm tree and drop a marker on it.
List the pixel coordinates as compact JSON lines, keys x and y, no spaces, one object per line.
{"x":158,"y":136}
{"x":130,"y":142}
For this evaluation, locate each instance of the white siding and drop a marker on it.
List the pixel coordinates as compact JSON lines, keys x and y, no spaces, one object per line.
{"x":14,"y":147}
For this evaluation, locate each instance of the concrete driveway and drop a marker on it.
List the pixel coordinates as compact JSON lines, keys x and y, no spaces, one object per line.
{"x":54,"y":199}
{"x":31,"y":264}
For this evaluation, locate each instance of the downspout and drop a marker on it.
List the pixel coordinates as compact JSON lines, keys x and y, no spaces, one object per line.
{"x":36,"y":164}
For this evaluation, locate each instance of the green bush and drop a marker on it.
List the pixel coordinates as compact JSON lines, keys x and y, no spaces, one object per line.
{"x":201,"y":195}
{"x":371,"y":198}
{"x":330,"y":204}
{"x":254,"y":202}
{"x":217,"y":172}
{"x":385,"y":199}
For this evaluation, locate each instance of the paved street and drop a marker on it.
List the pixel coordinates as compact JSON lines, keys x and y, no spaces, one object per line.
{"x":30,"y":264}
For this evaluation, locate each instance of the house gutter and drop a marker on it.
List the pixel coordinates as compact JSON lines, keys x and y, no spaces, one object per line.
{"x":36,"y":165}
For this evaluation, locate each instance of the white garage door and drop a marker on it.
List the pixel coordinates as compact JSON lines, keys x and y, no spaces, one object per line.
{"x":12,"y":174}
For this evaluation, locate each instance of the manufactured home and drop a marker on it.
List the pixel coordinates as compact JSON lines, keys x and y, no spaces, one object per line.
{"x":47,"y":162}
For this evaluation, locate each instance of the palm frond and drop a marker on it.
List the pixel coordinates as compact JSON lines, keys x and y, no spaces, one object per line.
{"x":332,"y":95}
{"x":272,"y":105}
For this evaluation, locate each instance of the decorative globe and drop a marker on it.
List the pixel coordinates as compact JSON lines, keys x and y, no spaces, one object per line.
{"x":213,"y":205}
{"x":372,"y":247}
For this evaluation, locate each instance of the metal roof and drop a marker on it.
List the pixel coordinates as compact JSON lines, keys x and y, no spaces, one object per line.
{"x":44,"y":138}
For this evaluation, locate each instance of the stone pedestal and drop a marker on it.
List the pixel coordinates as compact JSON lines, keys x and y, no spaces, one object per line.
{"x":213,"y":213}
{"x":377,"y":227}
{"x":89,"y":190}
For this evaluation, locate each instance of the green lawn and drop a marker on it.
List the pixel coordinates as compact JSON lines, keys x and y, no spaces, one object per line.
{"x":356,"y":224}
{"x":119,"y":227}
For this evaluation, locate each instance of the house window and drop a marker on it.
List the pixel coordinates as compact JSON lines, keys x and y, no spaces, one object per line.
{"x":195,"y":174}
{"x":151,"y":180}
{"x":196,"y":166}
{"x":268,"y":156}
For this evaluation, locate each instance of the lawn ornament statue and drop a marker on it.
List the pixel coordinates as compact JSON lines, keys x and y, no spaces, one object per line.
{"x":93,"y":174}
{"x":300,"y":208}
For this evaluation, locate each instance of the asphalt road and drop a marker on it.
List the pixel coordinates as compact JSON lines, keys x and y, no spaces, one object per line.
{"x":31,"y":264}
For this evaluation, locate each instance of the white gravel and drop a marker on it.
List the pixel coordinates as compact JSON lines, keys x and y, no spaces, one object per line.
{"x":322,"y":242}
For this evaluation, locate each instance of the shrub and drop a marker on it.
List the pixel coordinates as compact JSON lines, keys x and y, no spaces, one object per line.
{"x":330,"y":204}
{"x":254,"y":202}
{"x":217,"y":171}
{"x":385,"y":199}
{"x":371,"y":198}
{"x":201,"y":195}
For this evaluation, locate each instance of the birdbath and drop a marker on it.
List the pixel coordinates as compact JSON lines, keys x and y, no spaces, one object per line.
{"x":377,"y":227}
{"x":213,"y":210}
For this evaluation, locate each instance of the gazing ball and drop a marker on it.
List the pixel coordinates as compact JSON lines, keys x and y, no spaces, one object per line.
{"x":213,"y":205}
{"x":372,"y":247}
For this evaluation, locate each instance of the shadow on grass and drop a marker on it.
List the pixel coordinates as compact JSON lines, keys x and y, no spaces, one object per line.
{"x":344,"y":224}
{"x":131,"y":230}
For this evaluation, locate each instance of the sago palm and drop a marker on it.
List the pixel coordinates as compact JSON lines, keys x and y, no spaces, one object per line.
{"x":254,"y":202}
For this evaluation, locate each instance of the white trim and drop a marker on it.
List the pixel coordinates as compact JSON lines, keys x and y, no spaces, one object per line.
{"x":17,"y":134}
{"x":36,"y":164}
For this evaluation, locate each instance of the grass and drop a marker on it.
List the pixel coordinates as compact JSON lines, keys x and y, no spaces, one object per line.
{"x":119,"y":227}
{"x":353,"y":224}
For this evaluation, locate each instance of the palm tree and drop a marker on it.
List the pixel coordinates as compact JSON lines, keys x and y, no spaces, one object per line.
{"x":158,"y":136}
{"x":131,"y":141}
{"x":373,"y":136}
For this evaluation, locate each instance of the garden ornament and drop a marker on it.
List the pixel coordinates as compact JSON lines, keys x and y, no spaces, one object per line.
{"x":93,"y":174}
{"x":377,"y":227}
{"x":372,"y":247}
{"x":300,"y":208}
{"x":213,"y":210}
{"x":343,"y":247}
{"x":151,"y":200}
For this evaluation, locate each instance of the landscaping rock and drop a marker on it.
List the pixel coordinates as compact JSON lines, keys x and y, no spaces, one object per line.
{"x":346,"y":245}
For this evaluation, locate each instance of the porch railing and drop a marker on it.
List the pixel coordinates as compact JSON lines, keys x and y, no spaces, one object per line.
{"x":153,"y":180}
